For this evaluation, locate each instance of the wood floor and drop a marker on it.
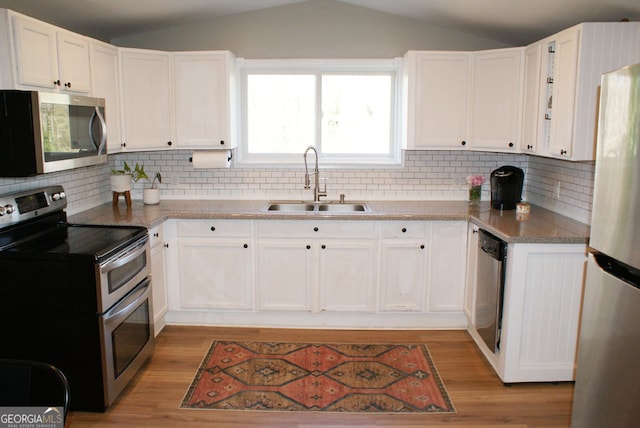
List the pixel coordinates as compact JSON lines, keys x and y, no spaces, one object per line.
{"x":480,"y":399}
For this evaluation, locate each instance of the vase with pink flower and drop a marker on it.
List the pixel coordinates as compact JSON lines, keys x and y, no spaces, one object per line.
{"x":475,"y":188}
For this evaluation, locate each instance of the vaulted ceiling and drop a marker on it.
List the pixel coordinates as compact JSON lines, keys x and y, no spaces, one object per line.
{"x":515,"y":22}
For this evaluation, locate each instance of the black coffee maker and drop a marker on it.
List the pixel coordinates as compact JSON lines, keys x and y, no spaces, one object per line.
{"x":506,"y":187}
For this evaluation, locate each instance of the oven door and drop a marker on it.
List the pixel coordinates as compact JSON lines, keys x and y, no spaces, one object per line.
{"x":120,"y":274}
{"x":127,"y":338}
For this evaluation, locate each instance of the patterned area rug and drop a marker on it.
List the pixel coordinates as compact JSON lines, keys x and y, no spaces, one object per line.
{"x":318,"y":377}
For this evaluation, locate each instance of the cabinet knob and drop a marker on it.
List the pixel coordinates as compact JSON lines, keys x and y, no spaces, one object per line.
{"x":510,"y":144}
{"x":315,"y":229}
{"x":222,"y":142}
{"x":155,"y":235}
{"x":563,"y":152}
{"x":404,"y":230}
{"x":308,"y":247}
{"x":530,"y":147}
{"x":464,"y":143}
{"x":246,"y":245}
{"x":56,"y":82}
{"x":123,"y":145}
{"x":166,"y":245}
{"x":67,"y":85}
{"x":324,"y":247}
{"x":213,"y":228}
{"x":169,"y":143}
{"x":422,"y":247}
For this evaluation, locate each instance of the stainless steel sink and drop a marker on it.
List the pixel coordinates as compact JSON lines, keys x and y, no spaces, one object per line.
{"x":342,"y":208}
{"x":291,"y":207}
{"x":323,"y":207}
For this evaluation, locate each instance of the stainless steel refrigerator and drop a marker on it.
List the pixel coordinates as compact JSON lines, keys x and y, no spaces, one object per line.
{"x":607,"y":388}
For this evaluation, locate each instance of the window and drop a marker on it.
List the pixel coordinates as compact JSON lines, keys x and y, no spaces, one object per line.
{"x":346,"y":109}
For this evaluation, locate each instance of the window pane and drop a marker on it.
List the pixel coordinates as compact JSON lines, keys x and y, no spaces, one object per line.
{"x":280,"y":113}
{"x":356,"y":114}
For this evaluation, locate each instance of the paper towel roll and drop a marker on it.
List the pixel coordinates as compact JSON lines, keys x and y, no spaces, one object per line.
{"x":211,"y":159}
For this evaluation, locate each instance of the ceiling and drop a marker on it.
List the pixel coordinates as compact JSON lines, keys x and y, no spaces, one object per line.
{"x":515,"y":22}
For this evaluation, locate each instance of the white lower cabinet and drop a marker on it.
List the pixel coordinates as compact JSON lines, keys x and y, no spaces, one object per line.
{"x":447,"y":266}
{"x":158,"y":277}
{"x":317,"y":273}
{"x":215,"y":260}
{"x":285,"y":274}
{"x":403,"y":266}
{"x":541,"y":312}
{"x":470,"y":277}
{"x":315,"y":266}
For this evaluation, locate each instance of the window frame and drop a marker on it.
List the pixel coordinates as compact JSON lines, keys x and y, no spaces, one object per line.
{"x":319,"y":67}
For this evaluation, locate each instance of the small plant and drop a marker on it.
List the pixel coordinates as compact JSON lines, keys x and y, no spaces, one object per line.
{"x":136,"y":173}
{"x":156,"y":180}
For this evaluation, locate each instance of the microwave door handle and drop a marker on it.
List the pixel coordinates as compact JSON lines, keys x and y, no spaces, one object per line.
{"x":103,"y":126}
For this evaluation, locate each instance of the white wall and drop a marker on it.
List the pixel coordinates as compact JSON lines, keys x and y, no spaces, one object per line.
{"x":312,"y":29}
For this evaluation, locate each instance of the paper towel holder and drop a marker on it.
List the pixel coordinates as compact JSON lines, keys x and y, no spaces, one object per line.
{"x":228,"y":158}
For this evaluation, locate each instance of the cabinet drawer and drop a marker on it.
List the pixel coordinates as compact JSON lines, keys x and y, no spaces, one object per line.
{"x":316,"y":229}
{"x":156,"y":235}
{"x":403,"y":229}
{"x":214,"y":228}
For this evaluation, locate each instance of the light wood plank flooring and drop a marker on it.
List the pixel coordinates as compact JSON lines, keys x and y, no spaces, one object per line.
{"x":480,"y":398}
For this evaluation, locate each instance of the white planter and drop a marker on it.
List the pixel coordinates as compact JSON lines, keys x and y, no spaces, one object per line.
{"x":120,"y":183}
{"x":151,"y":196}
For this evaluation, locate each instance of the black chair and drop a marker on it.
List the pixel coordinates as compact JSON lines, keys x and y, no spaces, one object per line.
{"x":32,"y":383}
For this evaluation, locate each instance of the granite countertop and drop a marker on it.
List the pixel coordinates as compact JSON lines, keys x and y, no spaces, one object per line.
{"x":539,"y":226}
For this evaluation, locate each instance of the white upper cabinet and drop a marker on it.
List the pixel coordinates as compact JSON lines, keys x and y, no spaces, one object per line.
{"x":105,"y":83}
{"x":458,"y":100}
{"x":204,"y":94}
{"x":531,"y":116}
{"x":496,"y":97}
{"x":571,"y":69}
{"x":436,"y":91}
{"x":48,"y":57}
{"x":146,"y":99}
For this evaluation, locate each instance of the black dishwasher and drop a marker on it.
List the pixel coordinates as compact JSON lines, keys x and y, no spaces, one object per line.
{"x":492,"y":252}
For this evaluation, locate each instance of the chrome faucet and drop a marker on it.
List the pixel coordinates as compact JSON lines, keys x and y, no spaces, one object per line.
{"x":317,"y":193}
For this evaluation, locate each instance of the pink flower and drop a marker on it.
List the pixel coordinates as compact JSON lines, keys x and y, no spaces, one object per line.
{"x":475,"y":180}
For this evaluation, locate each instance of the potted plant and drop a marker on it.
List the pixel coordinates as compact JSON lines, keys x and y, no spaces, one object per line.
{"x":151,"y":195}
{"x":121,"y":178}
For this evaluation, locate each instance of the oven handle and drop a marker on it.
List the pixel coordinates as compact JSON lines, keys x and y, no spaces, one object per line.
{"x":129,"y":254}
{"x":123,"y":308}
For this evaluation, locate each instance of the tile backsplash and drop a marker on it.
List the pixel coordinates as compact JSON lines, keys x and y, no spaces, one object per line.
{"x":425,"y":175}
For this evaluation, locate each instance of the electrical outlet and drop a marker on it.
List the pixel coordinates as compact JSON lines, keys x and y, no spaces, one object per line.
{"x":558,"y":190}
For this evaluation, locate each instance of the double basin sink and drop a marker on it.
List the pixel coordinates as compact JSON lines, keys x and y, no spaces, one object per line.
{"x":321,"y":207}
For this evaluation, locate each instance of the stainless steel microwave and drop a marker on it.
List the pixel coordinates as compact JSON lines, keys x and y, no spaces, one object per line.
{"x":44,"y":132}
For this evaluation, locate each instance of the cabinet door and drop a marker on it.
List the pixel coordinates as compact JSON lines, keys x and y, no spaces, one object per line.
{"x":531,"y":114}
{"x":73,"y":63}
{"x":495,"y":99}
{"x":216,"y":274}
{"x":564,"y":93}
{"x":346,"y":275}
{"x":36,"y":55}
{"x":105,"y":83}
{"x":146,"y":99}
{"x":403,"y":275}
{"x":159,"y":287}
{"x":437,"y":95}
{"x":202,"y":99}
{"x":286,"y":274}
{"x":447,"y":265}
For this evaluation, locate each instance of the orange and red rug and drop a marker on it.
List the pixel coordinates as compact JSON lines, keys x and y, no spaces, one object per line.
{"x":318,"y":377}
